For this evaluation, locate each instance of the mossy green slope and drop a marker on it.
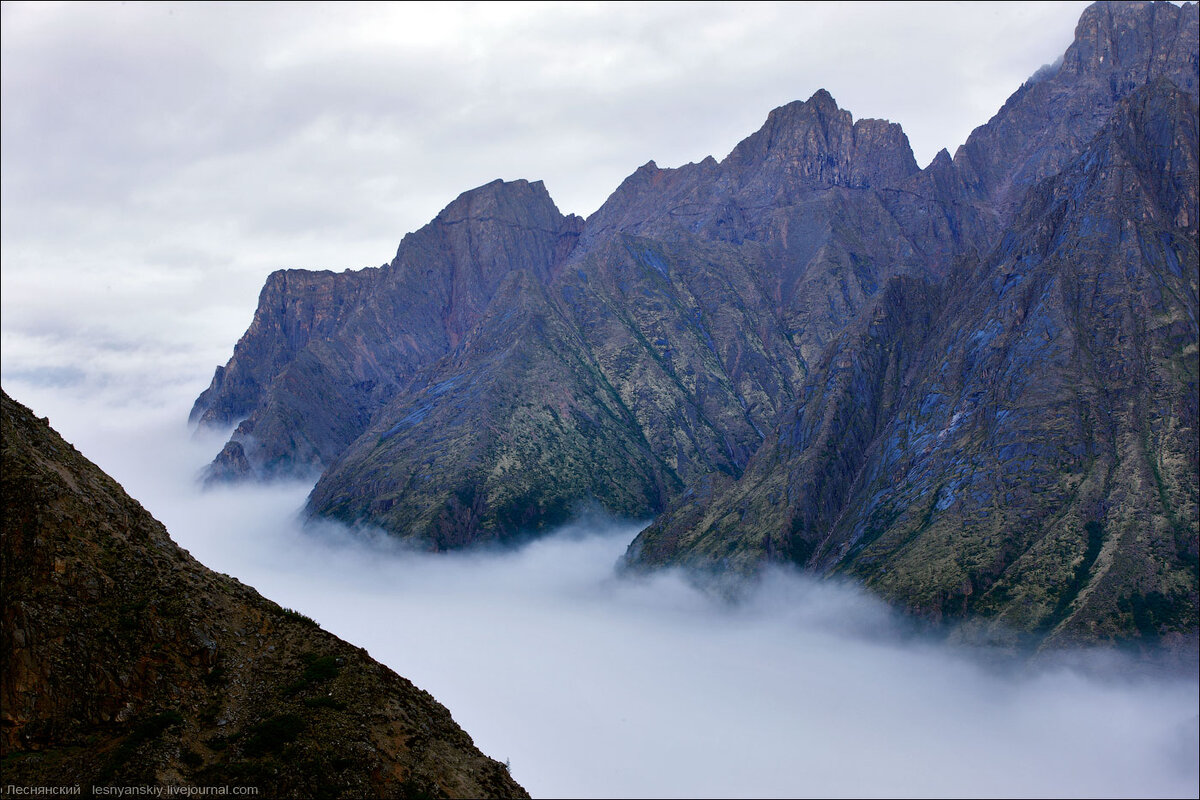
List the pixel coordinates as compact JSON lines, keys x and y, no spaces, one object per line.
{"x":515,"y":431}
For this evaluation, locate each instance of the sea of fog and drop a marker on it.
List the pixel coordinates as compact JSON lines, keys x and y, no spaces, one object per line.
{"x":594,"y":685}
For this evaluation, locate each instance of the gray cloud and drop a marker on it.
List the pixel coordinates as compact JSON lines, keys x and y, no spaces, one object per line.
{"x":158,"y":160}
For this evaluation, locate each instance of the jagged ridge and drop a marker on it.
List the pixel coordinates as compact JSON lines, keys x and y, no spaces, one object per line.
{"x":1035,"y":458}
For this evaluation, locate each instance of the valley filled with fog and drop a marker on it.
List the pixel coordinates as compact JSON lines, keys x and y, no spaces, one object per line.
{"x":591,"y":684}
{"x":157,"y":168}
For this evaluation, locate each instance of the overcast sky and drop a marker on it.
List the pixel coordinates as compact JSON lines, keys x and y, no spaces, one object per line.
{"x":159,"y":160}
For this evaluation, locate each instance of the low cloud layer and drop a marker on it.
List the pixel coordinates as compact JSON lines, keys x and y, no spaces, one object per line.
{"x":593,"y":685}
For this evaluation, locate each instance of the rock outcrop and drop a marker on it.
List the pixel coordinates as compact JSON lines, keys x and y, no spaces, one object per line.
{"x":1118,"y":48}
{"x":1018,"y":443}
{"x":327,"y":351}
{"x":123,"y":661}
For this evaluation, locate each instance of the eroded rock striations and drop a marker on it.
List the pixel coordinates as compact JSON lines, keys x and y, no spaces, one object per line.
{"x":972,"y":386}
{"x":326,"y":351}
{"x":125,"y":662}
{"x":1020,"y":441}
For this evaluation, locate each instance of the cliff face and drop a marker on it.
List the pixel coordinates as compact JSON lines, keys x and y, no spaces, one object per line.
{"x":656,"y":353}
{"x":1019,"y":442}
{"x":125,"y":661}
{"x":325,"y":352}
{"x":761,"y":345}
{"x":1118,"y":47}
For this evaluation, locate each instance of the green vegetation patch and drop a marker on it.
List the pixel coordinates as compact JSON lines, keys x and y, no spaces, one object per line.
{"x":1155,"y":612}
{"x":293,"y":614}
{"x":321,"y":669}
{"x":317,"y":669}
{"x":146,"y":730}
{"x":1095,"y":539}
{"x":272,"y":735}
{"x":324,"y":701}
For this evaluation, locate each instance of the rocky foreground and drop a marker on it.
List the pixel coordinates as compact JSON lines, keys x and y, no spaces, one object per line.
{"x":125,"y":662}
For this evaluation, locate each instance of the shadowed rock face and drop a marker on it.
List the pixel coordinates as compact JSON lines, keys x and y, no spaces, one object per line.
{"x":1020,"y":441}
{"x":764,"y":345}
{"x":643,"y":362}
{"x":126,"y":662}
{"x":1118,"y":47}
{"x":326,"y":351}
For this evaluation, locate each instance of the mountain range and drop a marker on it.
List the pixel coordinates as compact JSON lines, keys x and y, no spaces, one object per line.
{"x":972,"y":387}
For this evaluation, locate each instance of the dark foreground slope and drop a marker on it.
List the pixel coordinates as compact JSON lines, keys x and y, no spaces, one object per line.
{"x":126,"y":662}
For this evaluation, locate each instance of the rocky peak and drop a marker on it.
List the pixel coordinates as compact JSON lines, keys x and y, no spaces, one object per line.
{"x":401,"y":318}
{"x":801,"y":129}
{"x":651,"y":201}
{"x":803,"y":146}
{"x":817,"y":143}
{"x":294,"y":306}
{"x":520,"y":203}
{"x":1039,"y":400}
{"x":477,"y":240}
{"x":485,"y":228}
{"x":1134,"y":42}
{"x":883,"y":155}
{"x":1044,"y":124}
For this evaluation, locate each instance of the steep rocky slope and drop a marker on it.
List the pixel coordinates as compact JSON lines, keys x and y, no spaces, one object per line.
{"x":326,"y":351}
{"x":508,"y":434}
{"x":1021,"y":441}
{"x":759,"y":343}
{"x":126,"y":662}
{"x":655,"y":360}
{"x":1118,"y":47}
